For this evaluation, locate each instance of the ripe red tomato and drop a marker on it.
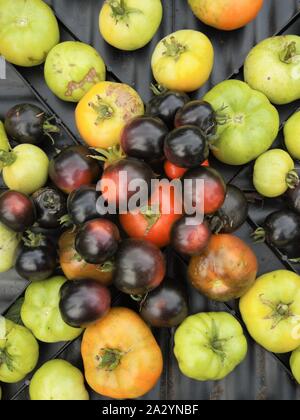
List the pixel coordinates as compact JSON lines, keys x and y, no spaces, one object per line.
{"x":174,"y":172}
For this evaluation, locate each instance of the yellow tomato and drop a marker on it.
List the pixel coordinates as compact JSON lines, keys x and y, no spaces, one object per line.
{"x":103,"y":112}
{"x":271,"y":311}
{"x":183,"y":60}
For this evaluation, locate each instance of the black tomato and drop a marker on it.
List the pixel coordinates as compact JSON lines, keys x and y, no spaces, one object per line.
{"x":51,"y":205}
{"x":17,"y":211}
{"x":165,"y":306}
{"x":233,"y":213}
{"x":37,"y":258}
{"x":26,"y":123}
{"x":72,"y":168}
{"x":165,"y":106}
{"x":208,"y":197}
{"x":293,"y":198}
{"x":83,"y":302}
{"x":139,"y":267}
{"x":282,"y":230}
{"x":97,"y":241}
{"x":200,"y":114}
{"x":82,"y":204}
{"x":189,"y":237}
{"x":143,"y":138}
{"x":186,"y":147}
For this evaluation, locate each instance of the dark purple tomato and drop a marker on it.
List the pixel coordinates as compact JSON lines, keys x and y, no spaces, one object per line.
{"x":26,"y":123}
{"x":233,"y":213}
{"x":282,"y":230}
{"x":97,"y":241}
{"x":117,"y":177}
{"x":209,"y":194}
{"x":189,"y":237}
{"x":200,"y":114}
{"x":139,"y":267}
{"x":165,"y":106}
{"x":166,"y":306}
{"x":293,"y":198}
{"x":17,"y":211}
{"x":186,"y":147}
{"x":82,"y":204}
{"x":83,"y":302}
{"x":51,"y":205}
{"x":143,"y":138}
{"x":72,"y":168}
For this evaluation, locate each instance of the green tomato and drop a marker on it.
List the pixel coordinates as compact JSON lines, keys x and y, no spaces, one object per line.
{"x":4,"y":144}
{"x":58,"y":380}
{"x":273,"y":67}
{"x":9,"y":242}
{"x":130,"y":24}
{"x":19,"y":351}
{"x":72,"y":68}
{"x":292,"y":135}
{"x":25,"y":168}
{"x":274,"y":172}
{"x":28,"y":31}
{"x":40,"y":312}
{"x":209,"y":346}
{"x":295,"y":364}
{"x":248,"y":123}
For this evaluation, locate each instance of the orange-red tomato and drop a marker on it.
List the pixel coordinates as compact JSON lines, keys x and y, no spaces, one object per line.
{"x":226,"y":14}
{"x":174,"y":172}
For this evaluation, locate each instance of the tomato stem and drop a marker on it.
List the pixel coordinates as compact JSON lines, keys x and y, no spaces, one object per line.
{"x":110,"y":359}
{"x":289,"y":52}
{"x":292,"y":179}
{"x":151,"y":214}
{"x":103,"y":110}
{"x":65,"y":221}
{"x":107,"y":267}
{"x":110,"y":155}
{"x":33,"y":240}
{"x":120,"y":9}
{"x":158,"y":89}
{"x":280,"y":311}
{"x":173,"y":48}
{"x":50,"y":128}
{"x":259,"y":235}
{"x":7,"y":158}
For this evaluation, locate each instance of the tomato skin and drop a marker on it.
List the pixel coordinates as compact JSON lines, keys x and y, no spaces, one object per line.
{"x":295,"y":364}
{"x":17,"y":211}
{"x":189,"y":67}
{"x":4,"y":143}
{"x":51,"y":205}
{"x":225,"y":270}
{"x":123,"y":331}
{"x":174,"y":172}
{"x":190,"y":239}
{"x":103,"y":112}
{"x":9,"y":242}
{"x":271,"y":311}
{"x":198,"y":113}
{"x":292,"y":134}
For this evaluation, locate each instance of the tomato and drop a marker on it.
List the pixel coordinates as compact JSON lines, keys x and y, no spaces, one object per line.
{"x":72,"y":68}
{"x":190,"y":239}
{"x":17,"y":211}
{"x":25,"y":168}
{"x":151,"y":223}
{"x":225,"y":270}
{"x":58,"y":380}
{"x":121,"y":357}
{"x":103,"y":112}
{"x":40,"y":312}
{"x":82,"y":204}
{"x":226,"y":14}
{"x":174,"y":172}
{"x":292,"y":135}
{"x":51,"y":206}
{"x":4,"y":144}
{"x":209,"y":346}
{"x":248,"y":123}
{"x":19,"y":351}
{"x":9,"y":242}
{"x":74,"y":266}
{"x":130,"y":24}
{"x":293,"y":198}
{"x":183,"y":61}
{"x":198,"y":113}
{"x":28,"y":31}
{"x":295,"y":364}
{"x":271,"y":311}
{"x":274,"y":172}
{"x":274,"y":63}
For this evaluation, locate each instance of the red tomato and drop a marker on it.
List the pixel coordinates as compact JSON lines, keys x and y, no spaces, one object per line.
{"x":174,"y":172}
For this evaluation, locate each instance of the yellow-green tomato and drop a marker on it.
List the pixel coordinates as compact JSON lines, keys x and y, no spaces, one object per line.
{"x":274,"y":172}
{"x":273,"y":67}
{"x":72,"y":68}
{"x":40,"y":312}
{"x":28,"y":31}
{"x":130,"y":24}
{"x":9,"y":242}
{"x":295,"y":364}
{"x":19,"y":351}
{"x":209,"y":346}
{"x":25,"y":168}
{"x":292,"y":135}
{"x":4,"y":144}
{"x":58,"y":380}
{"x":271,"y":311}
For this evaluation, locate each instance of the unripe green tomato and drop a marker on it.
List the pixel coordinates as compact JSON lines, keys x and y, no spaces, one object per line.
{"x":292,"y":135}
{"x":295,"y":364}
{"x":9,"y":242}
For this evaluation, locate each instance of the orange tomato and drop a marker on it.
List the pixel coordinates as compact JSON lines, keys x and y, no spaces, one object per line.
{"x":174,"y":172}
{"x":103,"y":112}
{"x":226,"y":14}
{"x":120,"y":355}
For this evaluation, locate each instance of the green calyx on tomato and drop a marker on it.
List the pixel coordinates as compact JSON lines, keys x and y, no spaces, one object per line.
{"x":289,"y":53}
{"x":103,"y":110}
{"x":174,"y":48}
{"x":278,"y":311}
{"x":110,"y":155}
{"x":152,"y":215}
{"x":120,"y":10}
{"x":247,"y":122}
{"x":110,"y":359}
